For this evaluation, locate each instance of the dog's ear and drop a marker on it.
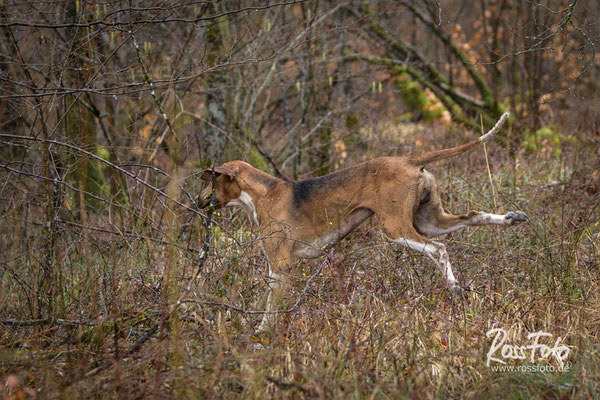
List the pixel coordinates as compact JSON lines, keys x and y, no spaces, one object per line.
{"x":220,"y":170}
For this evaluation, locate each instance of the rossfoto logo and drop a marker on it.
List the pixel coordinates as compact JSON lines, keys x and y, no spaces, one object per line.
{"x":537,"y":347}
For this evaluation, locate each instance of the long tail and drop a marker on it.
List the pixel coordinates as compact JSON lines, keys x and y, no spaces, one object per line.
{"x":445,"y":153}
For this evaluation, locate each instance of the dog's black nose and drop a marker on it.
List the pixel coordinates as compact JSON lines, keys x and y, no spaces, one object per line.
{"x":204,"y":202}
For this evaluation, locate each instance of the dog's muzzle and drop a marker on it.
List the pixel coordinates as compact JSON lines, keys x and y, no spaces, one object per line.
{"x":204,"y":200}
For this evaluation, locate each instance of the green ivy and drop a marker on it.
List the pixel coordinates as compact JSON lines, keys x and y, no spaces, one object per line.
{"x":415,"y":99}
{"x":257,"y":161}
{"x":547,"y":137}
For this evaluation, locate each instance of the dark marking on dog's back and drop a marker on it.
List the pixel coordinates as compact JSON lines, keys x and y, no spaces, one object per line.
{"x":304,"y":190}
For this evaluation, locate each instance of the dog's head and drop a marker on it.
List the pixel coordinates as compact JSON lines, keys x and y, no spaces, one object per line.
{"x":225,"y":183}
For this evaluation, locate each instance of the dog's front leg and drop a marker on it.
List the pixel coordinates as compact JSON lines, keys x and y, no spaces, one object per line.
{"x":279,"y":256}
{"x":274,"y":285}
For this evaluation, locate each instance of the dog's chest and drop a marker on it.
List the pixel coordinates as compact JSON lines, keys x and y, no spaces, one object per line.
{"x":245,"y":201}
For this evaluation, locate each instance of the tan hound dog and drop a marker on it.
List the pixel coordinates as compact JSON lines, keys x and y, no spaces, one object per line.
{"x":303,"y":219}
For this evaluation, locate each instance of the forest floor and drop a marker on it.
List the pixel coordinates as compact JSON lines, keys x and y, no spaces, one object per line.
{"x":373,"y":321}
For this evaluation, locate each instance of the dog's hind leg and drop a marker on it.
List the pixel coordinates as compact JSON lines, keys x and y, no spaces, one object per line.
{"x":406,"y":235}
{"x":440,"y":223}
{"x":430,"y":219}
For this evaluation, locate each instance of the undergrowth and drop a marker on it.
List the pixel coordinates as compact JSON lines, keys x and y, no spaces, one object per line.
{"x":375,"y":321}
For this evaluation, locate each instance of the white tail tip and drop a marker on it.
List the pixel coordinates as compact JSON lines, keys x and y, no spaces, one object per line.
{"x":495,"y":129}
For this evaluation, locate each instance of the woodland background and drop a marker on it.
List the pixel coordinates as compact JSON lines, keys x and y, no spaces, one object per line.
{"x":114,"y":285}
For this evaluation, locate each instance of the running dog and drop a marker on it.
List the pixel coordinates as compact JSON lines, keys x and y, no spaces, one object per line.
{"x":305,"y":218}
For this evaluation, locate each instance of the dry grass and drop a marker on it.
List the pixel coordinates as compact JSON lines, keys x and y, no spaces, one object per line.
{"x":377,"y":321}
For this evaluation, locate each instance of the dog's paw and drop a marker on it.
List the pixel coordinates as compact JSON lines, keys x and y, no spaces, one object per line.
{"x":516,"y":218}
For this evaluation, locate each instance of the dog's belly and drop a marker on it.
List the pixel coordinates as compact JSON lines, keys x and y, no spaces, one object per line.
{"x":316,"y":246}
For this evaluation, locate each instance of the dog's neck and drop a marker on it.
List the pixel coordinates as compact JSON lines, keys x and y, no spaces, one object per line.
{"x":255,"y":185}
{"x":256,"y":182}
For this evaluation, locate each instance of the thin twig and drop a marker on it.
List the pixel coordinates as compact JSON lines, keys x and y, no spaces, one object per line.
{"x":104,"y":22}
{"x":45,"y":321}
{"x":112,"y":165}
{"x":111,"y":361}
{"x":262,"y":312}
{"x":291,"y":385}
{"x":487,"y":163}
{"x":203,"y":254}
